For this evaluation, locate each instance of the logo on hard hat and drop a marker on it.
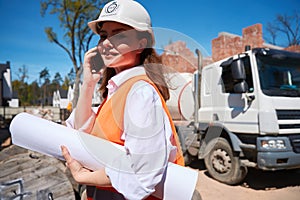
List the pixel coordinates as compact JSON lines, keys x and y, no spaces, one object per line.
{"x":112,"y":7}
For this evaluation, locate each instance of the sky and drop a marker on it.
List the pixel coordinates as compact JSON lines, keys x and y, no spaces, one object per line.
{"x":23,"y":41}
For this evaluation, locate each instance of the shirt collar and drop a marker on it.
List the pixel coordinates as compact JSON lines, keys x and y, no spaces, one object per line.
{"x":123,"y":76}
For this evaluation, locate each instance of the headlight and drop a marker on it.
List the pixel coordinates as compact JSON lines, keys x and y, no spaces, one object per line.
{"x":273,"y":144}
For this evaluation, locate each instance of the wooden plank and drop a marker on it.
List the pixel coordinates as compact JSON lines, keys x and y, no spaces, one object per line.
{"x":18,"y":164}
{"x":10,"y":151}
{"x":37,"y":174}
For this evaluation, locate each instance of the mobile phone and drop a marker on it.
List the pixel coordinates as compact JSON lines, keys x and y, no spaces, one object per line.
{"x":97,"y":63}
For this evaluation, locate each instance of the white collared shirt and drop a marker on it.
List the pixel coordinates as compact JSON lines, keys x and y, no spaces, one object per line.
{"x":146,"y":136}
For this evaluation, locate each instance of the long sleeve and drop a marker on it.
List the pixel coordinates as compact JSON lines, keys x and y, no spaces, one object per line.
{"x":70,"y":122}
{"x":147,"y":135}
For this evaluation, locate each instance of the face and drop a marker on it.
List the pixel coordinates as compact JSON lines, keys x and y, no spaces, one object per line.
{"x":119,"y":46}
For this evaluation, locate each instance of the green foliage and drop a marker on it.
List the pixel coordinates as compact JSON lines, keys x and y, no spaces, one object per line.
{"x":66,"y":83}
{"x":27,"y":94}
{"x":57,"y":79}
{"x":35,"y":93}
{"x":45,"y":76}
{"x":74,"y":16}
{"x":22,"y":75}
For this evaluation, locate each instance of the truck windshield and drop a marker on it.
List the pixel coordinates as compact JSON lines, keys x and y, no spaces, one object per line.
{"x":279,"y":75}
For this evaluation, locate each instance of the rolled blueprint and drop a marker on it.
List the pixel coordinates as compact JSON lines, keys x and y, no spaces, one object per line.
{"x":94,"y":153}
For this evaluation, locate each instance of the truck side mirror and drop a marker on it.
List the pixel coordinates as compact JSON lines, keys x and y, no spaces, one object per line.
{"x":240,"y":87}
{"x":238,"y":70}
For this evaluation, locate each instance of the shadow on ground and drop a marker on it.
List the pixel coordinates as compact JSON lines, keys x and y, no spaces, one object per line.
{"x":262,"y":180}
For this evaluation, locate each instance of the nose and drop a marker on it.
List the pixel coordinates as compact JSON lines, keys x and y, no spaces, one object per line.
{"x":107,"y":43}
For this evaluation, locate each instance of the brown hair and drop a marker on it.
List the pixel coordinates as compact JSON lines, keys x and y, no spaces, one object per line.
{"x":153,"y":67}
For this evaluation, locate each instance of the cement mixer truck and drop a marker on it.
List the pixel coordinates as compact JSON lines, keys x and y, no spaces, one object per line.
{"x":240,"y":112}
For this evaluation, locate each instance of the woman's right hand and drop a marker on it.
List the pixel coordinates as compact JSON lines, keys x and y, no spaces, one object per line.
{"x":82,"y":175}
{"x":83,"y":110}
{"x":91,"y":77}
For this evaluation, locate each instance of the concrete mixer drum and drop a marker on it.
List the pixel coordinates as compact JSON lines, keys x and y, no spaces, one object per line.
{"x":181,"y":102}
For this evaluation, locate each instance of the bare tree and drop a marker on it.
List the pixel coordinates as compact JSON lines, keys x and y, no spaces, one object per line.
{"x":285,"y":26}
{"x":74,"y":16}
{"x":22,"y":73}
{"x":45,"y":76}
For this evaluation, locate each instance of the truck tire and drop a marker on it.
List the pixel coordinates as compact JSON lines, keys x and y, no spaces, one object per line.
{"x":183,"y":133}
{"x":221,"y":163}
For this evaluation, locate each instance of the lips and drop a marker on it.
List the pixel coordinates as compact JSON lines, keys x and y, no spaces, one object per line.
{"x":110,"y":58}
{"x":109,"y":54}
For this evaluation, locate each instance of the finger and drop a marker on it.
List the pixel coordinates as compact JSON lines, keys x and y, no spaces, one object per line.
{"x":71,"y":163}
{"x":94,"y":49}
{"x":91,"y":52}
{"x":66,"y":154}
{"x":88,"y":63}
{"x":101,"y":72}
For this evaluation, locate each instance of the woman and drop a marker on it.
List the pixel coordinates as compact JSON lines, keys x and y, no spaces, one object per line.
{"x":133,"y":113}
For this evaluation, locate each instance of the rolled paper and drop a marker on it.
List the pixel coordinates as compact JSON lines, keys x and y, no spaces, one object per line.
{"x":47,"y":137}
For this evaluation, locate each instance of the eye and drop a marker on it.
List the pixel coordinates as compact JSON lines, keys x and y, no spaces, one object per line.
{"x":120,"y":36}
{"x":102,"y":37}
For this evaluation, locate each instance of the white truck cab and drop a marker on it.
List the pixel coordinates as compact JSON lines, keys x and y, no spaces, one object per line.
{"x":248,"y":115}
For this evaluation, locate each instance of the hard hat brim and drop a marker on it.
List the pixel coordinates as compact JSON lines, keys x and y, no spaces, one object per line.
{"x":126,"y":12}
{"x":93,"y":25}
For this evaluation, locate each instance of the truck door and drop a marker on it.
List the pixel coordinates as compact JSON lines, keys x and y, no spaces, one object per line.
{"x":241,"y":105}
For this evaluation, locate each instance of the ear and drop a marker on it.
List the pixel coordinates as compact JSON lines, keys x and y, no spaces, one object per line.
{"x":142,"y":45}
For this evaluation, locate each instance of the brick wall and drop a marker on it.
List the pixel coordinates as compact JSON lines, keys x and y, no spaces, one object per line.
{"x":253,"y":36}
{"x":225,"y":45}
{"x":294,"y":48}
{"x":180,"y":58}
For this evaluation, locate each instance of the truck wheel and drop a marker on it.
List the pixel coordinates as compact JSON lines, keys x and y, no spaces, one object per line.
{"x":183,"y":132}
{"x":221,"y":164}
{"x":188,"y":159}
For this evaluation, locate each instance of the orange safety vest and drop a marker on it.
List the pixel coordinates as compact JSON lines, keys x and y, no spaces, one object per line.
{"x":110,"y":117}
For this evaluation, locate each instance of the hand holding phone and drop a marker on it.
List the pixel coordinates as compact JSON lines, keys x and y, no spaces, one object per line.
{"x":96,"y":62}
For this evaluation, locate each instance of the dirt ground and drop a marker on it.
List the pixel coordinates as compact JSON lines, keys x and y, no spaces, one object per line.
{"x":258,"y":185}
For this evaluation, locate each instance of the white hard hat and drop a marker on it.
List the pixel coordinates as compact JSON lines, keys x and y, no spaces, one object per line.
{"x":127,"y":12}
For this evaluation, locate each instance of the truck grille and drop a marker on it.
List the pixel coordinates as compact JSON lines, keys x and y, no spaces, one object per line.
{"x":288,"y":114}
{"x":289,"y":126}
{"x":289,"y":123}
{"x":295,"y":141}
